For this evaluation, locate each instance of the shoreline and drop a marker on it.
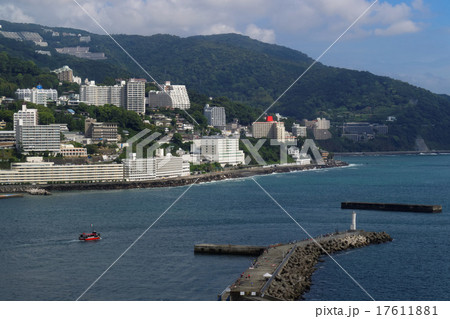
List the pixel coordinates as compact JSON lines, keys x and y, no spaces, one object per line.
{"x":171,"y":182}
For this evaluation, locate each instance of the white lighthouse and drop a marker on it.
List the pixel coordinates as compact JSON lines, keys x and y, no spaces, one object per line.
{"x":353,"y":225}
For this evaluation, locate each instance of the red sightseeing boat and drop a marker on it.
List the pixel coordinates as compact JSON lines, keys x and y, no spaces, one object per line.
{"x":90,"y":236}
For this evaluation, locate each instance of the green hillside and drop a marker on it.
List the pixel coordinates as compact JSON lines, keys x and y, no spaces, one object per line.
{"x":255,"y":73}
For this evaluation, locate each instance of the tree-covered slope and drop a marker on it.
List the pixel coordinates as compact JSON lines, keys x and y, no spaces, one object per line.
{"x":255,"y":73}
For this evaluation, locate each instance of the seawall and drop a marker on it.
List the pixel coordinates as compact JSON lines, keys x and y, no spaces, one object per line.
{"x":415,"y":208}
{"x":228,"y":249}
{"x":283,"y":271}
{"x":171,"y":182}
{"x":295,"y":277}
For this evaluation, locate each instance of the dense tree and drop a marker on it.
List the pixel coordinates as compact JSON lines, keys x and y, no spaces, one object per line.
{"x":245,"y":71}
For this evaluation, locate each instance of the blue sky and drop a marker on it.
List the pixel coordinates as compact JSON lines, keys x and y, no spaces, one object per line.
{"x":404,"y":39}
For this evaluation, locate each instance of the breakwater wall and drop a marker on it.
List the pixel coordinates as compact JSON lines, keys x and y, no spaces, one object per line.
{"x":294,"y":279}
{"x":393,"y":207}
{"x":284,"y":271}
{"x":228,"y":249}
{"x":172,"y":182}
{"x":28,"y":189}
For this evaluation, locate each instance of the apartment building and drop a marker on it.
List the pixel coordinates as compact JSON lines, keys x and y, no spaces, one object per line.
{"x":135,"y":95}
{"x":216,"y":116}
{"x":172,"y":96}
{"x":28,"y":117}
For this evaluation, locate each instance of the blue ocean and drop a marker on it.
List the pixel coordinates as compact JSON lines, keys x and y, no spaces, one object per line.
{"x":42,"y":259}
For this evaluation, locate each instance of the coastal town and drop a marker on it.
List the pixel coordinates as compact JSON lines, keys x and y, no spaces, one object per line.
{"x":53,"y":154}
{"x":183,"y":152}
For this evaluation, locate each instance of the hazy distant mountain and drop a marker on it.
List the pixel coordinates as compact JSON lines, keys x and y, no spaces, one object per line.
{"x":254,"y":73}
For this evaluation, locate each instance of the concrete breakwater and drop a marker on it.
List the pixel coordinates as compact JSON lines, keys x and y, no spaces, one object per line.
{"x":172,"y":182}
{"x":37,"y":191}
{"x":29,"y":189}
{"x":283,"y":271}
{"x":228,"y":249}
{"x":393,"y":207}
{"x":294,"y":279}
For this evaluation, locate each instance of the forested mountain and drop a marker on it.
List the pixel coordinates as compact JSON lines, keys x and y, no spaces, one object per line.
{"x":255,"y":73}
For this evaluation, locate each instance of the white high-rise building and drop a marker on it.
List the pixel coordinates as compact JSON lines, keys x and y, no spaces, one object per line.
{"x":28,"y":117}
{"x":173,"y":96}
{"x":38,"y":138}
{"x":140,"y":169}
{"x":101,"y":95}
{"x":215,"y":115}
{"x":136,"y":95}
{"x":220,"y":149}
{"x":37,"y":95}
{"x":35,"y":170}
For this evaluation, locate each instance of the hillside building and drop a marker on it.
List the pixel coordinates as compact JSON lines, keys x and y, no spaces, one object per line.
{"x":216,"y":116}
{"x":28,"y":117}
{"x":65,"y":74}
{"x":37,"y":95}
{"x":269,"y":129}
{"x":68,"y":150}
{"x":101,"y":95}
{"x":100,"y":131}
{"x":171,"y":96}
{"x":219,"y":149}
{"x":7,"y":139}
{"x":363,"y":131}
{"x":135,"y":95}
{"x":298,"y":130}
{"x":38,"y":138}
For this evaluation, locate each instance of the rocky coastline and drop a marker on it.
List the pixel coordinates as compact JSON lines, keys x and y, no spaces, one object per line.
{"x":168,"y":182}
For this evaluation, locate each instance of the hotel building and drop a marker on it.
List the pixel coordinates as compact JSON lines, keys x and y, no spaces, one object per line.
{"x":269,"y":129}
{"x":37,"y":95}
{"x":220,"y":149}
{"x":141,"y":169}
{"x":172,"y":96}
{"x":35,"y":171}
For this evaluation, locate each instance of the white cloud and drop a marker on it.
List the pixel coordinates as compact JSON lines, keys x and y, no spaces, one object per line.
{"x":260,"y":19}
{"x":219,"y":29}
{"x":12,"y":13}
{"x":401,"y":27}
{"x":264,"y":35}
{"x":326,"y":19}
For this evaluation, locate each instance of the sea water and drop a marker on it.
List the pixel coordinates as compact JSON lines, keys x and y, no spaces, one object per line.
{"x":42,"y":259}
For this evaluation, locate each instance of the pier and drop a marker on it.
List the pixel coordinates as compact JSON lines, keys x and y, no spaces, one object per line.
{"x":393,"y":207}
{"x":229,"y":249}
{"x":283,"y":271}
